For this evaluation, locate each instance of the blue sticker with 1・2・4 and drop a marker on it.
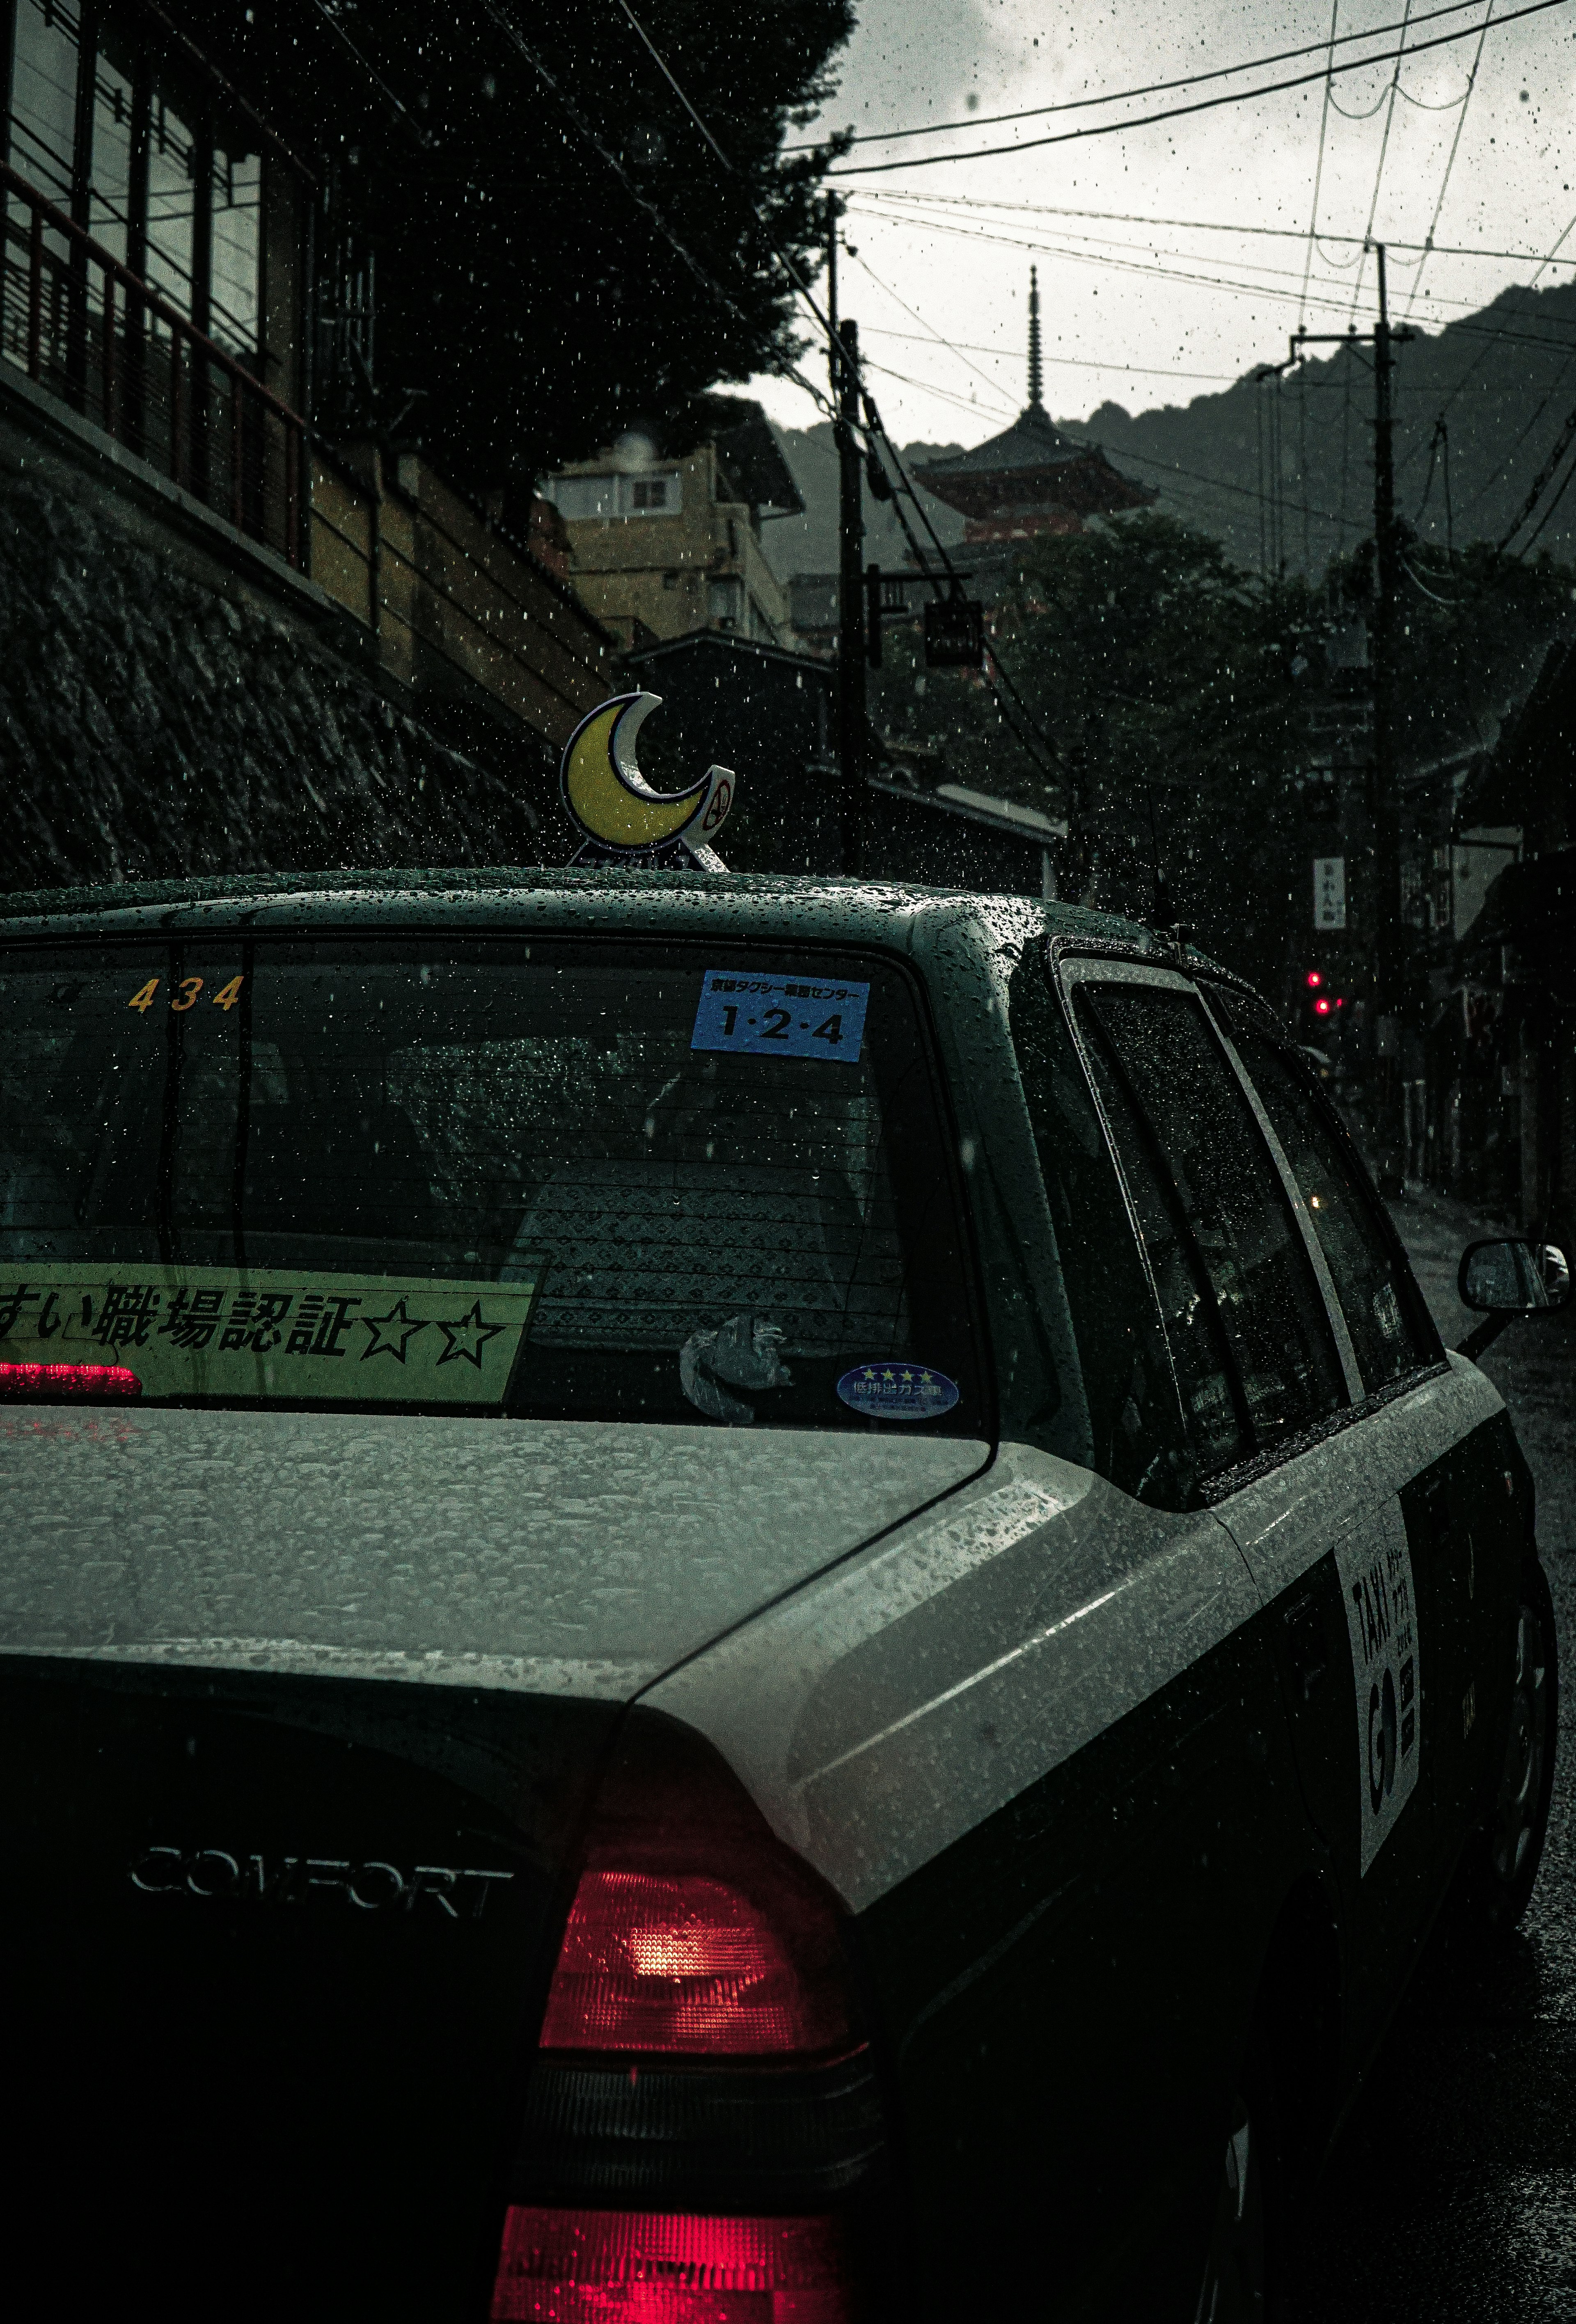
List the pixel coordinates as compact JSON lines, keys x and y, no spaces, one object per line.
{"x":897,"y":1391}
{"x":780,"y":1016}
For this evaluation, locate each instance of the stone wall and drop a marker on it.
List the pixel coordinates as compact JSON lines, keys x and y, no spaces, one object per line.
{"x":158,"y":718}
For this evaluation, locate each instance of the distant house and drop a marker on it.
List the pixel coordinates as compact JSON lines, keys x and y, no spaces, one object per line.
{"x":664,"y":529}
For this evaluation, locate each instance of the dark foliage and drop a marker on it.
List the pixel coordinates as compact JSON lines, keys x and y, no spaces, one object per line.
{"x":1174,"y":693}
{"x":525,"y":295}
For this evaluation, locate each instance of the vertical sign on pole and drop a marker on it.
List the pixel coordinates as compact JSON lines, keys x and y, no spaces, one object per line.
{"x":1330,"y":891}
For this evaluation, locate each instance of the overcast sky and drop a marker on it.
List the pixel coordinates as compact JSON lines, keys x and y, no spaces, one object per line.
{"x":1141,"y":314}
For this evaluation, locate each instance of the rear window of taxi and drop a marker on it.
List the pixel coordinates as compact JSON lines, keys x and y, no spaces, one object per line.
{"x":575,"y":1179}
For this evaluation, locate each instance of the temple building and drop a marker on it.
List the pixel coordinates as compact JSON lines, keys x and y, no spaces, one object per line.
{"x":1028,"y":483}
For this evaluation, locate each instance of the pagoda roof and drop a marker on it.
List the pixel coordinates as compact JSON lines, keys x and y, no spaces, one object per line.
{"x":1033,"y":441}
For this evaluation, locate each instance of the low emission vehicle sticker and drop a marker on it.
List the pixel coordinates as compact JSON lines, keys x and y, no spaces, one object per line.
{"x":780,"y":1016}
{"x":1375,"y":1565}
{"x":275,"y":1333}
{"x":897,"y":1391}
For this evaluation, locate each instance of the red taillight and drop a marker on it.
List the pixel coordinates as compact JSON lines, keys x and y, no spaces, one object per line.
{"x":701,"y":2048}
{"x":664,"y":2267}
{"x":687,"y":1962}
{"x":69,"y":1379}
{"x":693,"y":1929}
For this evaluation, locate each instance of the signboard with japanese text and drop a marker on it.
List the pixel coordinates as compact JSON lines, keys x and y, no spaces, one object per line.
{"x":274,"y":1333}
{"x":1330,"y":891}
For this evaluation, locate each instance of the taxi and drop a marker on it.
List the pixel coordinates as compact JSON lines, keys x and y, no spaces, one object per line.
{"x":722,"y":1597}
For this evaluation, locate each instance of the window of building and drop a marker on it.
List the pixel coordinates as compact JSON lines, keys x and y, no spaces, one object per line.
{"x":578,"y":498}
{"x":590,"y":498}
{"x":145,"y":151}
{"x":43,"y":97}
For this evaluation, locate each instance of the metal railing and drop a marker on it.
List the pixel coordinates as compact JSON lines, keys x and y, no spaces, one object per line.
{"x":89,"y":331}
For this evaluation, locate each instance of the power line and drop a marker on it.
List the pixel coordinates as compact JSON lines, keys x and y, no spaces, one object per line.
{"x":661,"y":64}
{"x":1502,"y":332}
{"x":1179,"y":112}
{"x":511,"y":32}
{"x":1526,"y":548}
{"x":936,"y":335}
{"x":844,"y":350}
{"x":1257,"y":289}
{"x":1198,"y":226}
{"x":1148,"y":88}
{"x":1074,"y":363}
{"x":928,"y":387}
{"x":1373,"y":208}
{"x":1449,"y":166}
{"x":1319,"y":166}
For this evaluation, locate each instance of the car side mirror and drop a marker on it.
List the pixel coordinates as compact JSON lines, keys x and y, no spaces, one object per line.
{"x":1512,"y":1277}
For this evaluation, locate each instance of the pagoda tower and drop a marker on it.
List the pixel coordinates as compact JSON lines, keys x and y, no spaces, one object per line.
{"x":1030,"y":481}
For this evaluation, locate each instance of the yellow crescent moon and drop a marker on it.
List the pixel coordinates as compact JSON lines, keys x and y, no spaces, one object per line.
{"x":605,"y":791}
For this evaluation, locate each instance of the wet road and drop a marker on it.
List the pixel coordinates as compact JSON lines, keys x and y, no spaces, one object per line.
{"x":1451,"y":2197}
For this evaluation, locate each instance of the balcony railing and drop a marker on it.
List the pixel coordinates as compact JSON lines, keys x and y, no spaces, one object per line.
{"x":89,"y":331}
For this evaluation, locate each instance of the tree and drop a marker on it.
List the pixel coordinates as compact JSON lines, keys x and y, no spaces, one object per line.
{"x":1170,"y":695}
{"x":553,"y":268}
{"x":1160,"y":680}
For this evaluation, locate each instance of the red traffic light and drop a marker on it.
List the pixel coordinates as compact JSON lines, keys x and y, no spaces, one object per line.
{"x":1314,"y":979}
{"x":1322,"y":1008}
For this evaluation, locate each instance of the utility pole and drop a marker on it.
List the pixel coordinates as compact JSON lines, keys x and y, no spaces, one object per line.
{"x":852,"y":711}
{"x":1384,"y":937}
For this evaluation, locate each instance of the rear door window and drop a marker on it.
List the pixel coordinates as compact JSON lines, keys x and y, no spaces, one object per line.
{"x":1138,"y":1437}
{"x":1241,"y":1240}
{"x":592,"y":1179}
{"x":1389,"y":1334}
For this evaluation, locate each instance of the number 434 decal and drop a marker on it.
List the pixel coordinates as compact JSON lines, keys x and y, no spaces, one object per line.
{"x":186,"y":994}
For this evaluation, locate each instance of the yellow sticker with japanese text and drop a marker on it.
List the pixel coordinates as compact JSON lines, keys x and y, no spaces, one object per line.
{"x":273,"y":1333}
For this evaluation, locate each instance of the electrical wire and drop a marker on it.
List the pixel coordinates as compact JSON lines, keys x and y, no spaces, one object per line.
{"x":1319,"y":166}
{"x":1540,"y":483}
{"x":1526,"y":550}
{"x":407,"y":117}
{"x":1449,"y":166}
{"x":1501,"y":331}
{"x":1192,"y":225}
{"x":1373,"y":207}
{"x":1179,"y":112}
{"x":1074,"y":362}
{"x":1504,"y":462}
{"x":513,"y":34}
{"x":937,"y":338}
{"x":1148,"y":88}
{"x":872,"y":417}
{"x":1260,"y":288}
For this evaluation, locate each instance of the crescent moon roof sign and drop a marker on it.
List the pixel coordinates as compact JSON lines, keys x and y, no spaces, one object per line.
{"x":623,"y":819}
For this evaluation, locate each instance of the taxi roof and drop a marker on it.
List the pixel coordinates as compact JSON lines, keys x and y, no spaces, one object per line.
{"x":823,"y":910}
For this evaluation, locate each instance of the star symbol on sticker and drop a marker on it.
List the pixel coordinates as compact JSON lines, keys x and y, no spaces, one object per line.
{"x":394,"y":1340}
{"x":468,"y":1337}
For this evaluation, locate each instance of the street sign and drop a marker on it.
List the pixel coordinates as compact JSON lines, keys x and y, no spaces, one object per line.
{"x":1330,"y":891}
{"x":954,"y":633}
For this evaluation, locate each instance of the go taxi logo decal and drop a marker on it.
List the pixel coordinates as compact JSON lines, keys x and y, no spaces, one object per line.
{"x":1376,"y":1581}
{"x":624,"y":820}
